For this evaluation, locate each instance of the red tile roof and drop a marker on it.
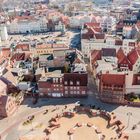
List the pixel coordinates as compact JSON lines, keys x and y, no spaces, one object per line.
{"x":89,"y":34}
{"x":92,"y":24}
{"x":24,"y":17}
{"x":5,"y":52}
{"x":95,"y":55}
{"x":82,"y":78}
{"x":133,"y":56}
{"x":23,"y":47}
{"x":120,"y":55}
{"x":100,"y":36}
{"x":122,"y":59}
{"x":113,"y":79}
{"x":18,"y":57}
{"x":97,"y":30}
{"x":43,"y":46}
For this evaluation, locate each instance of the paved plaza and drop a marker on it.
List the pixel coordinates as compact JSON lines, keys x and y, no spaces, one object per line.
{"x":9,"y":126}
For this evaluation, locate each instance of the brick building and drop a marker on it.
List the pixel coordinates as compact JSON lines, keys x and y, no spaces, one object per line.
{"x":64,"y":85}
{"x":112,"y":88}
{"x":7,"y":106}
{"x":123,"y":62}
{"x":7,"y":103}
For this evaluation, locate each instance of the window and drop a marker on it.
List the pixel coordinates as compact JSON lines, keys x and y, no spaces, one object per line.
{"x":71,"y":92}
{"x":66,"y":92}
{"x":78,"y":92}
{"x":138,"y":78}
{"x":66,"y":82}
{"x":71,"y":88}
{"x":71,"y":82}
{"x":66,"y":87}
{"x":53,"y":80}
{"x":78,"y":82}
{"x":41,"y":94}
{"x":56,"y":80}
{"x":83,"y":92}
{"x":60,"y":80}
{"x":78,"y":88}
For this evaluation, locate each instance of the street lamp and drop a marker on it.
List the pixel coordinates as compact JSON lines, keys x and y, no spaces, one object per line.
{"x":128,"y":114}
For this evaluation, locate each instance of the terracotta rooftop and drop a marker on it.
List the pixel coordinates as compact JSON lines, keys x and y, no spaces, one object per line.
{"x":82,"y":78}
{"x":24,"y":17}
{"x":18,"y":56}
{"x":97,"y":30}
{"x":89,"y":34}
{"x":5,"y":52}
{"x":113,"y":79}
{"x":43,"y":46}
{"x":120,"y":55}
{"x":92,"y":24}
{"x":122,"y":59}
{"x":100,"y":36}
{"x":133,"y":56}
{"x":95,"y":55}
{"x":23,"y":47}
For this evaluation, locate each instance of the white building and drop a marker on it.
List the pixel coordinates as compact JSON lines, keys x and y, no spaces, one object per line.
{"x":60,"y":26}
{"x":24,"y":86}
{"x":78,"y":21}
{"x":27,"y":25}
{"x":103,"y":66}
{"x":3,"y":33}
{"x":88,"y":45}
{"x":107,"y":23}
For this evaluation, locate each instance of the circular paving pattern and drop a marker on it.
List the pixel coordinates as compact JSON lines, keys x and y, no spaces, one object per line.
{"x":81,"y":123}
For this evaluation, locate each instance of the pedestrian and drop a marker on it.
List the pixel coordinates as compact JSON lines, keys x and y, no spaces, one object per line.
{"x":65,"y":106}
